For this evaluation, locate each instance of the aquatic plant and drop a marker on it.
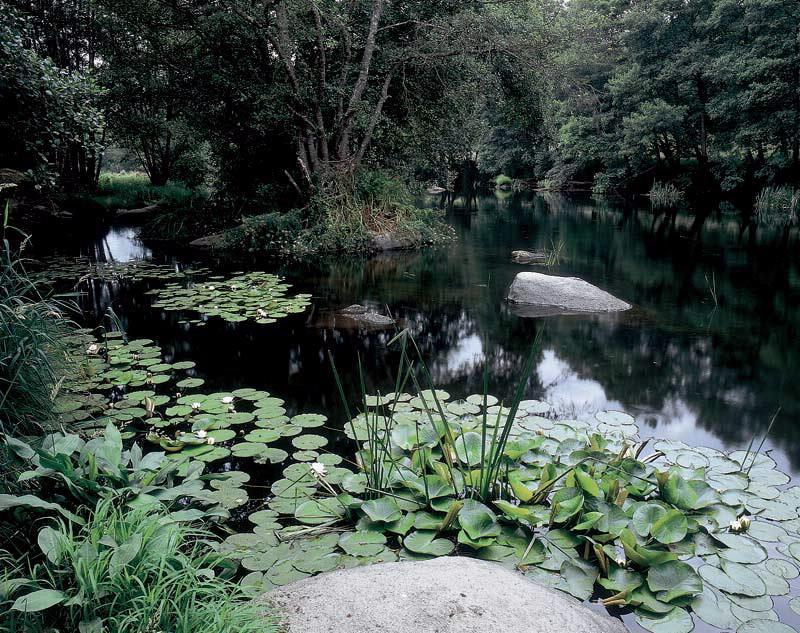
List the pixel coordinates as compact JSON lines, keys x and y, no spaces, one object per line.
{"x":257,"y":296}
{"x":664,"y":195}
{"x":777,"y":206}
{"x":128,"y":569}
{"x":75,"y":270}
{"x":586,"y":506}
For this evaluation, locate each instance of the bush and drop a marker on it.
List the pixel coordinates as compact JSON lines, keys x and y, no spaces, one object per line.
{"x":270,"y":233}
{"x":349,"y":215}
{"x":503,"y":181}
{"x":134,"y":570}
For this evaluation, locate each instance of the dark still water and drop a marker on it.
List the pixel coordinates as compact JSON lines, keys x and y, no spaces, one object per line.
{"x":689,"y":367}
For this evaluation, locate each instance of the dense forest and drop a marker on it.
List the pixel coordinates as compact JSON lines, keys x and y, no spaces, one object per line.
{"x":323,"y":105}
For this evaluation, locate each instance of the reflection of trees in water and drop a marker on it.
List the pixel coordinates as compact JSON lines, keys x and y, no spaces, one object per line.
{"x":731,"y":366}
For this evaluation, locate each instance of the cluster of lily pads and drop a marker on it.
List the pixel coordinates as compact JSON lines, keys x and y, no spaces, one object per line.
{"x":583,"y":506}
{"x":261,"y":297}
{"x":129,"y":385}
{"x":75,"y":269}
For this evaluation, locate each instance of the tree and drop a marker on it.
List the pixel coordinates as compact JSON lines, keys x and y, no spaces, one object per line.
{"x":146,"y":67}
{"x":50,"y":120}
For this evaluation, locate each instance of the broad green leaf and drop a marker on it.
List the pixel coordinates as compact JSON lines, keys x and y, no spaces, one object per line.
{"x":645,"y":516}
{"x":566,"y":503}
{"x":478,"y":521}
{"x":425,"y":542}
{"x":39,"y":600}
{"x":362,"y":543}
{"x":673,"y":579}
{"x":670,"y":528}
{"x":383,"y":509}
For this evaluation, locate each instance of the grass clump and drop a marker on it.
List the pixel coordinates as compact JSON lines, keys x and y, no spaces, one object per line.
{"x":130,"y":190}
{"x":30,"y":359}
{"x":777,"y":206}
{"x":134,"y":570}
{"x":664,"y":195}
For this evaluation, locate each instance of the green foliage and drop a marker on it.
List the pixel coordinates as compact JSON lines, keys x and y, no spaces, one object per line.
{"x":134,"y":570}
{"x":51,"y":116}
{"x":30,"y":332}
{"x":503,"y":181}
{"x":133,"y":189}
{"x":270,"y":234}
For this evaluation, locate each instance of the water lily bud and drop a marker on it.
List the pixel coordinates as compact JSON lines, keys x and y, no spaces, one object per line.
{"x":210,"y":440}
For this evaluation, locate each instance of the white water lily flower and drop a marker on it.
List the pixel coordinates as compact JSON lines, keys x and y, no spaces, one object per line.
{"x":261,"y":312}
{"x":93,"y":348}
{"x":741,"y":524}
{"x":318,"y":469}
{"x":212,"y":287}
{"x":227,"y":400}
{"x":195,"y":405}
{"x":745,"y":521}
{"x":201,"y":433}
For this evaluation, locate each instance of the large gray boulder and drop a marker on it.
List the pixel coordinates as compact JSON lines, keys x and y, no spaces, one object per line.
{"x":536,"y":294}
{"x":443,"y":595}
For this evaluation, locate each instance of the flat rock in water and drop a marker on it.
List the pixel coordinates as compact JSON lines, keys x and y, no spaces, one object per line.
{"x":444,"y":595}
{"x":364,"y":316}
{"x":536,"y":294}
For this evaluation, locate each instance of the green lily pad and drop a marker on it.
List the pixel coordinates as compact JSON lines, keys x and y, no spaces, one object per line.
{"x":362,"y":543}
{"x":673,"y":579}
{"x":425,"y":542}
{"x":383,"y":510}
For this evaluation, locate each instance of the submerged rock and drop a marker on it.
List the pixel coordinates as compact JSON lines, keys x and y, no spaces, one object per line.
{"x":142,"y":213}
{"x":529,"y":257}
{"x":389,"y":242}
{"x":210,"y":242}
{"x":362,"y":316}
{"x":448,"y":594}
{"x":536,"y":294}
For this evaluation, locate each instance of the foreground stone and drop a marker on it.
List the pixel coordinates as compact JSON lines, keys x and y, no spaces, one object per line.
{"x":444,"y":595}
{"x":536,"y":294}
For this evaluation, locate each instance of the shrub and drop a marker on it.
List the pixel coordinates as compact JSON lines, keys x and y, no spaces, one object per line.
{"x":503,"y":181}
{"x":134,"y":570}
{"x":271,"y":233}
